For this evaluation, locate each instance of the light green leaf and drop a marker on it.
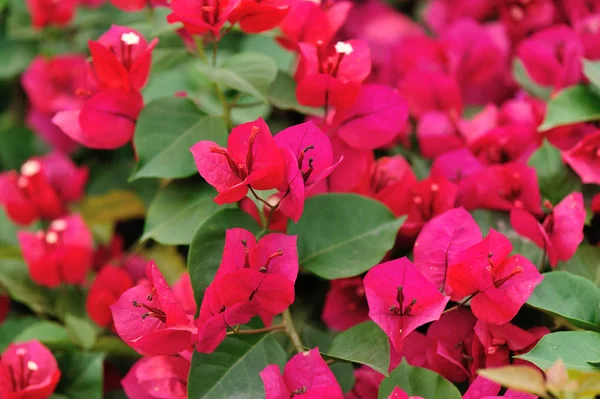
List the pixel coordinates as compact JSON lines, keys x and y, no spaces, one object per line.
{"x":165,"y":132}
{"x":572,"y":297}
{"x":591,"y":70}
{"x":571,"y":105}
{"x":282,"y":95}
{"x":12,"y":327}
{"x":49,"y":333}
{"x":344,"y":235}
{"x":364,"y":343}
{"x":524,"y":80}
{"x":15,"y":56}
{"x":416,"y":381}
{"x":283,"y":58}
{"x":14,"y":277}
{"x":81,"y":376}
{"x":585,"y":263}
{"x":231,"y":371}
{"x":575,"y":348}
{"x":177,"y":211}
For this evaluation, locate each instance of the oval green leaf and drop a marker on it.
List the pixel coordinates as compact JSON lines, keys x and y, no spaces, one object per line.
{"x":166,"y":130}
{"x":81,"y":375}
{"x":575,"y":348}
{"x":177,"y":211}
{"x":572,"y":297}
{"x":585,"y":263}
{"x":416,"y":381}
{"x":343,"y":235}
{"x":231,"y":371}
{"x":571,"y":105}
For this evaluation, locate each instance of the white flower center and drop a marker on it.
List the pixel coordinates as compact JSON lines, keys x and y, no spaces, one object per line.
{"x":343,"y":48}
{"x":130,"y":38}
{"x":31,"y":167}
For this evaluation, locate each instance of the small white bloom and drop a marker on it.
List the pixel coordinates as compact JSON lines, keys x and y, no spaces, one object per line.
{"x":130,"y":38}
{"x":32,"y":366}
{"x":51,"y":237}
{"x":30,"y":168}
{"x":343,"y":48}
{"x":58,"y":225}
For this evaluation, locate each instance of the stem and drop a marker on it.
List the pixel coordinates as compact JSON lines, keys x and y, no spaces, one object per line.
{"x":290,"y":330}
{"x":224,"y":104}
{"x":200,"y":49}
{"x":276,"y":327}
{"x":461,"y":304}
{"x":215,"y":45}
{"x":271,"y":207}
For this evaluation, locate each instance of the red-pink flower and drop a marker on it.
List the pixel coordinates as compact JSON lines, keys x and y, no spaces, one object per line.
{"x":28,"y":370}
{"x":51,"y":12}
{"x":456,"y":166}
{"x":157,"y":377}
{"x":522,"y":17}
{"x":257,"y":16}
{"x":401,"y":299}
{"x":204,"y":16}
{"x":250,"y":159}
{"x":42,"y":189}
{"x":332,"y":76}
{"x":561,"y":231}
{"x":552,"y":57}
{"x":4,"y":307}
{"x":507,"y":143}
{"x":312,"y":22}
{"x":367,"y":382}
{"x":584,"y":158}
{"x":440,"y":242}
{"x":451,"y":346}
{"x":42,"y":125}
{"x":306,"y":375}
{"x":374,"y":120}
{"x":422,"y":53}
{"x":61,"y":254}
{"x":439,"y":133}
{"x":486,"y":389}
{"x":596,"y":204}
{"x":136,"y":5}
{"x":427,"y":91}
{"x":308,"y":158}
{"x":106,"y":289}
{"x":345,"y":304}
{"x":150,"y":320}
{"x":389,"y":181}
{"x":184,"y":293}
{"x":398,"y":393}
{"x":441,"y":13}
{"x":51,"y":83}
{"x":498,"y":283}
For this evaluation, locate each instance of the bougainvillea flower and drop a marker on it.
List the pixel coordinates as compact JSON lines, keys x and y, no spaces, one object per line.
{"x":51,"y":83}
{"x":522,"y":17}
{"x":345,"y":304}
{"x":450,"y":343}
{"x":420,"y":52}
{"x":561,"y":231}
{"x":184,"y":293}
{"x":502,"y":187}
{"x":51,"y":12}
{"x":157,"y":377}
{"x":567,"y":137}
{"x":431,"y":91}
{"x":257,"y":16}
{"x":306,"y":375}
{"x":514,"y":142}
{"x":456,"y":166}
{"x":332,"y":76}
{"x":480,"y":388}
{"x":41,"y":124}
{"x":398,"y":393}
{"x":202,"y":17}
{"x":366,"y":385}
{"x":121,"y":58}
{"x":61,"y":254}
{"x":4,"y":307}
{"x":312,"y":22}
{"x":442,"y":239}
{"x":374,"y":120}
{"x":401,"y":299}
{"x":552,"y":57}
{"x":278,"y":221}
{"x":106,"y":289}
{"x":28,"y":370}
{"x":500,"y":284}
{"x":584,"y":158}
{"x":500,"y":342}
{"x":427,"y":199}
{"x":412,"y":351}
{"x":150,"y":320}
{"x":308,"y":158}
{"x":596,"y":204}
{"x":438,"y":133}
{"x":250,"y":159}
{"x":136,"y":5}
{"x":441,"y":13}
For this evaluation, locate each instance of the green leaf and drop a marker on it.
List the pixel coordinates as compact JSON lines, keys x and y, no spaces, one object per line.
{"x":585,"y":263}
{"x":231,"y":371}
{"x":15,"y":56}
{"x":416,"y":381}
{"x":81,"y":376}
{"x":165,"y":132}
{"x":591,"y":70}
{"x":556,"y":180}
{"x":49,"y":333}
{"x":364,"y":343}
{"x":169,"y":260}
{"x":282,"y":95}
{"x":572,"y":297}
{"x":8,"y":230}
{"x":177,"y":211}
{"x":12,"y":327}
{"x":111,"y":207}
{"x":70,"y":308}
{"x":206,"y":249}
{"x":575,"y":348}
{"x":571,"y":105}
{"x":266,"y":45}
{"x":14,"y":277}
{"x":522,"y":378}
{"x":18,"y":145}
{"x":524,"y":80}
{"x":343,"y":235}
{"x":250,"y":73}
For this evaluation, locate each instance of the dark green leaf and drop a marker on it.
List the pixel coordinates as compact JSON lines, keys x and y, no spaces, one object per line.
{"x":585,"y":263}
{"x":556,"y":180}
{"x":70,"y":308}
{"x":18,"y":144}
{"x":15,"y":56}
{"x":572,"y":297}
{"x":524,"y":80}
{"x":416,"y":381}
{"x":49,"y":333}
{"x":343,"y":235}
{"x":572,"y":105}
{"x":575,"y":348}
{"x":177,"y":211}
{"x":8,"y":230}
{"x":12,"y":327}
{"x":231,"y":371}
{"x":282,"y":95}
{"x":165,"y":132}
{"x":14,"y":277}
{"x":81,"y":375}
{"x":207,"y":246}
{"x":364,"y":343}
